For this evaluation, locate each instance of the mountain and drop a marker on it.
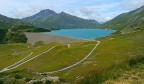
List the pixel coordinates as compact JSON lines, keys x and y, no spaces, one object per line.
{"x":19,"y":25}
{"x":6,"y":22}
{"x":127,"y":22}
{"x":41,"y":15}
{"x":49,"y":19}
{"x":12,"y":30}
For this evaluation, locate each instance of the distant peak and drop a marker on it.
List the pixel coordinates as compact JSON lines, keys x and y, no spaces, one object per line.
{"x":63,"y":12}
{"x":47,"y":11}
{"x":142,"y":6}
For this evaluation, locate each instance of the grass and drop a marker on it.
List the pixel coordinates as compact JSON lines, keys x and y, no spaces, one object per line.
{"x":134,"y":75}
{"x":114,"y":54}
{"x":111,"y":52}
{"x":122,"y":51}
{"x":58,"y":58}
{"x":12,"y":53}
{"x":35,"y":51}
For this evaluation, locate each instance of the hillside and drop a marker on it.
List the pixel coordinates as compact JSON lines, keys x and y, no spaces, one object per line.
{"x":132,"y":76}
{"x":113,"y":54}
{"x":12,"y":30}
{"x":127,"y":22}
{"x":6,"y":22}
{"x":49,"y":19}
{"x":18,"y":24}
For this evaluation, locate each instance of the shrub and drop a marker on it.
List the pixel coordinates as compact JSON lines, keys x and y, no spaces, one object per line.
{"x":48,"y":82}
{"x":17,"y":76}
{"x":136,"y":60}
{"x":28,"y":79}
{"x":1,"y":82}
{"x":38,"y":82}
{"x":15,"y":37}
{"x":40,"y":30}
{"x":2,"y":35}
{"x":99,"y":76}
{"x":39,"y":43}
{"x":62,"y":80}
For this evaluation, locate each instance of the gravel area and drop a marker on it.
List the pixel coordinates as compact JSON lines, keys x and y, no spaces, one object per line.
{"x":49,"y":38}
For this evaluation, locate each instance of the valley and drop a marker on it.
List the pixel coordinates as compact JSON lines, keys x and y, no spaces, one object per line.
{"x":49,"y":48}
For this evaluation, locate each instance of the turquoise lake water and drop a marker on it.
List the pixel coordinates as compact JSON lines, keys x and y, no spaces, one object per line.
{"x":82,"y":33}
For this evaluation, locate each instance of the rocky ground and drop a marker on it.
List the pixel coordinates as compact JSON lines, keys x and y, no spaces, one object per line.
{"x":48,"y":38}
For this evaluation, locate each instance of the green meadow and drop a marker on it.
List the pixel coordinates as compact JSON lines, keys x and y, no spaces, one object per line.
{"x":115,"y":54}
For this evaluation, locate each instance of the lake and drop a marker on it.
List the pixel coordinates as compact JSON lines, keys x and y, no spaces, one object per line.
{"x":82,"y":33}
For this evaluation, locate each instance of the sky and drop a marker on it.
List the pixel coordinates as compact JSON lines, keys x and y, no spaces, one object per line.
{"x":100,"y":10}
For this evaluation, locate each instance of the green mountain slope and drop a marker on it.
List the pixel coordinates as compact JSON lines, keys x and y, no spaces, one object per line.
{"x":6,"y":22}
{"x":49,"y":19}
{"x":9,"y":36}
{"x":12,"y":30}
{"x":127,"y":22}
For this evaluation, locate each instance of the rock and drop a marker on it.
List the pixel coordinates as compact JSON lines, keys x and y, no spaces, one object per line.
{"x":44,"y":79}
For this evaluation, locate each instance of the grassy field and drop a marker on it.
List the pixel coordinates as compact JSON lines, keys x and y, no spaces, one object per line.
{"x":12,"y":53}
{"x":113,"y":55}
{"x":113,"y":51}
{"x":134,"y":75}
{"x":59,"y":57}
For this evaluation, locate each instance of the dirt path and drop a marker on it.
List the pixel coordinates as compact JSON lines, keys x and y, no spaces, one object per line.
{"x":75,"y":63}
{"x":15,"y":65}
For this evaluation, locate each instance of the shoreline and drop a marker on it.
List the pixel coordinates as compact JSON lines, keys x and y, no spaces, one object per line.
{"x":70,"y":37}
{"x":49,"y":38}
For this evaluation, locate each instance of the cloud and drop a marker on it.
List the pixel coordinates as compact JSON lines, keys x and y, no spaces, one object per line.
{"x":27,"y":11}
{"x":107,"y":18}
{"x":132,"y":4}
{"x":89,"y":12}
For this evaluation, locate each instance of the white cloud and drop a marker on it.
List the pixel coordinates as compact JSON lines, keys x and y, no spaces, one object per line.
{"x":27,"y":11}
{"x":89,"y":12}
{"x":107,"y":18}
{"x":132,"y":4}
